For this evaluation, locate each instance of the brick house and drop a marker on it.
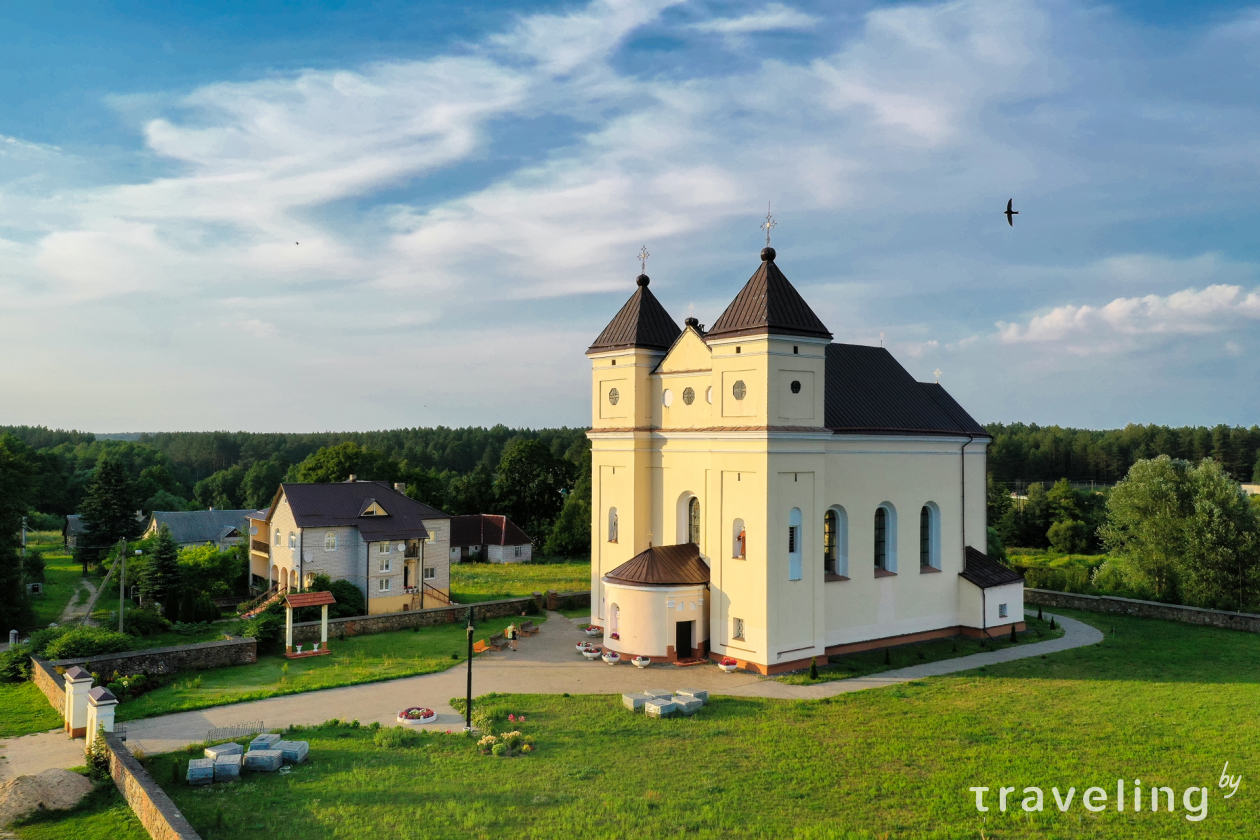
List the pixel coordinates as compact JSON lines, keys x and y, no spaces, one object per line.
{"x":485,"y":537}
{"x":395,"y":549}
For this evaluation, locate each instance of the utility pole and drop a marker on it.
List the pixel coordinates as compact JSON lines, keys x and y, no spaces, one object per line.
{"x":122,"y":580}
{"x":23,"y":536}
{"x":468,"y":695}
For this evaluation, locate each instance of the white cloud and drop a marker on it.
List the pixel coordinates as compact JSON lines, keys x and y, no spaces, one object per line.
{"x":773,"y":17}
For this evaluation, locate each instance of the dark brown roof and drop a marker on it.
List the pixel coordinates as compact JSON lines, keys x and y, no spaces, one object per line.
{"x":662,"y":565}
{"x":868,"y":391}
{"x":985,"y":572}
{"x":485,"y":529}
{"x":339,"y":505}
{"x":768,"y":303}
{"x":642,"y":322}
{"x":101,"y":694}
{"x":309,"y":599}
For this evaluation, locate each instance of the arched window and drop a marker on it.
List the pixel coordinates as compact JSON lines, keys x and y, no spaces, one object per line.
{"x":330,"y":540}
{"x":794,"y":544}
{"x":612,"y":525}
{"x":739,"y":540}
{"x":930,"y":536}
{"x":292,"y":540}
{"x":693,"y":520}
{"x":886,"y":538}
{"x":277,"y":536}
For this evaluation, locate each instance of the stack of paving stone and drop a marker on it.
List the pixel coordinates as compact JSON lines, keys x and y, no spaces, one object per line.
{"x":294,"y":752}
{"x":227,"y":760}
{"x":265,"y":741}
{"x":657,"y":703}
{"x":201,"y":771}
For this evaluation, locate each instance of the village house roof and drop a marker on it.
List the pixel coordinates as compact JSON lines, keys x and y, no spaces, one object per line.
{"x":191,"y":527}
{"x":485,"y":529}
{"x":768,"y":304}
{"x":642,"y":322}
{"x":662,"y":565}
{"x":867,"y":391}
{"x":74,"y":525}
{"x":985,"y":572}
{"x":346,"y":504}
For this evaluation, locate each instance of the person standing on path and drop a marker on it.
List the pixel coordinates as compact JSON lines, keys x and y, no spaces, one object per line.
{"x":511,"y":635}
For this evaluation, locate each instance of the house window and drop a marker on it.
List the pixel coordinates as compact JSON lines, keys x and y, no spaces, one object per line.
{"x":693,"y":520}
{"x":518,"y":550}
{"x":292,"y":540}
{"x":689,"y":396}
{"x":830,"y":526}
{"x":1001,"y":610}
{"x":384,"y":584}
{"x":613,"y":396}
{"x":277,"y":540}
{"x":612,"y":525}
{"x":385,"y":564}
{"x":737,"y":629}
{"x":430,"y":573}
{"x":330,"y":541}
{"x":708,"y":395}
{"x":667,"y":398}
{"x":739,"y":390}
{"x":930,"y":536}
{"x":382,"y":548}
{"x":796,"y":386}
{"x":794,"y":544}
{"x":881,"y":538}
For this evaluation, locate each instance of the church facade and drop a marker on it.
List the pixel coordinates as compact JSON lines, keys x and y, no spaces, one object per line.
{"x":763,"y":494}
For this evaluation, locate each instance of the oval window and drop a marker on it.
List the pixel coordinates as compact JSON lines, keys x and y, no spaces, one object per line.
{"x":738,"y":391}
{"x":668,"y":398}
{"x":689,"y":396}
{"x":613,"y":396}
{"x":796,"y":387}
{"x":708,"y":395}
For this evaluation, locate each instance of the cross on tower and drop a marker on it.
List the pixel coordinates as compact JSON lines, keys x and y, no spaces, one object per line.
{"x":643,"y":258}
{"x":768,"y":224}
{"x":938,"y":376}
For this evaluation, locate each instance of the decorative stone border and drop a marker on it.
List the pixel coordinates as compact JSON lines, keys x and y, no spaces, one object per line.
{"x":155,"y":810}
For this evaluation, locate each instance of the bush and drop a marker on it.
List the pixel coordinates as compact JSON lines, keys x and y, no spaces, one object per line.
{"x":87,"y":641}
{"x":396,"y":737}
{"x":33,"y":567}
{"x":267,"y":628}
{"x":1071,"y":536}
{"x":499,"y":749}
{"x":15,"y":664}
{"x":144,"y":622}
{"x":197,"y":607}
{"x":41,"y":639}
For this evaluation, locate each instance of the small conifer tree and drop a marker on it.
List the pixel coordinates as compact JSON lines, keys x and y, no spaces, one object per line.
{"x":887,"y":656}
{"x":813,"y":668}
{"x":1014,"y":637}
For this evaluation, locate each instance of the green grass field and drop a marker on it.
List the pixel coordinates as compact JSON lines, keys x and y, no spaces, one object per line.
{"x":62,"y":583}
{"x":872,"y":661}
{"x":472,"y":582}
{"x":357,"y":659}
{"x":24,"y":709}
{"x":1165,"y":703}
{"x":102,"y":815}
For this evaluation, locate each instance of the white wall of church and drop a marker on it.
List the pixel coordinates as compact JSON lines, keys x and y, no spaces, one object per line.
{"x":645,"y":618}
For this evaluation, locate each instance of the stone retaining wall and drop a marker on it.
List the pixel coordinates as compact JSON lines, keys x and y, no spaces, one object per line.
{"x":50,"y":682}
{"x":170,"y":660}
{"x":1248,"y":622}
{"x":308,"y":631}
{"x":155,"y":810}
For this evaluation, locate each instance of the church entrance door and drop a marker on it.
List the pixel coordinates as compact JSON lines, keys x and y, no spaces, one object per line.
{"x":682,"y":640}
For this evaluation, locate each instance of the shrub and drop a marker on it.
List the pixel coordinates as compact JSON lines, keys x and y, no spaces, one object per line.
{"x":813,"y":668}
{"x":396,"y":737}
{"x":87,"y":641}
{"x":267,"y":628}
{"x":98,"y":757}
{"x":499,"y":749}
{"x":15,"y":664}
{"x":144,"y":622}
{"x":33,"y":567}
{"x":41,"y":639}
{"x":197,"y":607}
{"x":1071,"y":536}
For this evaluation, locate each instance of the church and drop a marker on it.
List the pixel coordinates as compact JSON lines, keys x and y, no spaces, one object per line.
{"x":763,"y":494}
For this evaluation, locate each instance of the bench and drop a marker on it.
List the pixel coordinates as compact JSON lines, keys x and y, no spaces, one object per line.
{"x":480,"y":646}
{"x":498,"y":642}
{"x":528,"y":629}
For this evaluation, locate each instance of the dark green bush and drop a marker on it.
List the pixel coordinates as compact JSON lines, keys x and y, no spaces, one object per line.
{"x":144,"y":623}
{"x":197,"y":607}
{"x":15,"y":664}
{"x":41,"y":639}
{"x":33,"y":567}
{"x":87,"y":641}
{"x":268,"y":629}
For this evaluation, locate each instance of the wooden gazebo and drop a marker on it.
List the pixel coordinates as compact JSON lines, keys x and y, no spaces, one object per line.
{"x":306,"y":599}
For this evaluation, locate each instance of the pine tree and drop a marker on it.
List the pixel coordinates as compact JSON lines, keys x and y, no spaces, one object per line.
{"x":109,"y":508}
{"x":813,"y":668}
{"x":161,"y":577}
{"x":1014,"y":636}
{"x":15,"y":489}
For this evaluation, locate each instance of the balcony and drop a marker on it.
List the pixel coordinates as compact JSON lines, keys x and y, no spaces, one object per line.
{"x":259,"y":546}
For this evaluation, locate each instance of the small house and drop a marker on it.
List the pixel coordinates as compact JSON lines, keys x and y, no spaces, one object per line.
{"x":487,"y":538}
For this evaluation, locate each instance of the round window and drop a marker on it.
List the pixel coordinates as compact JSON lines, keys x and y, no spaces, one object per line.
{"x":738,"y":390}
{"x":613,"y":396}
{"x":689,"y":396}
{"x":796,"y":387}
{"x":668,"y":398}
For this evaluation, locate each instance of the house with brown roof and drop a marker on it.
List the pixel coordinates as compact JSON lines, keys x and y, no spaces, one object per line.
{"x":395,"y":549}
{"x":488,"y":538}
{"x":761,"y":492}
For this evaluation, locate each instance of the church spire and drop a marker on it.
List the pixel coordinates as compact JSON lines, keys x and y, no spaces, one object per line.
{"x":768,"y":304}
{"x":642,"y":322}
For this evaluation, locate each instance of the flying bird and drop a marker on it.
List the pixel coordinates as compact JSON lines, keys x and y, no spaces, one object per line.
{"x":1010,"y":214}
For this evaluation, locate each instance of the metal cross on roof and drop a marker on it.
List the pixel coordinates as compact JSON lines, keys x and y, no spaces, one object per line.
{"x":938,"y":375}
{"x":768,"y":224}
{"x":643,"y":258}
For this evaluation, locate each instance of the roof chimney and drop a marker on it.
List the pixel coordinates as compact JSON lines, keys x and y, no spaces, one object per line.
{"x":400,"y":487}
{"x":353,"y":478}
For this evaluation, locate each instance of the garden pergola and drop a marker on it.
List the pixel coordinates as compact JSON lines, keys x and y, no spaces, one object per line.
{"x":306,"y":599}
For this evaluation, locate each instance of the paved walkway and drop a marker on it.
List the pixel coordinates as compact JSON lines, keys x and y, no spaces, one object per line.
{"x":546,"y":663}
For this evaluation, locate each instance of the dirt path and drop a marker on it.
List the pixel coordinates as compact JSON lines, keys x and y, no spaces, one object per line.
{"x":75,"y":610}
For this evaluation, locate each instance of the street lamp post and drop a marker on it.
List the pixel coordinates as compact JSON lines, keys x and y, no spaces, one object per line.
{"x":468,"y":694}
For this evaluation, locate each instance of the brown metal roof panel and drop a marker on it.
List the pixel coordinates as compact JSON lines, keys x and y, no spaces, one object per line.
{"x":664,"y":565}
{"x":768,"y":303}
{"x":309,"y":599}
{"x":985,"y":572}
{"x":641,"y":322}
{"x":867,"y":391}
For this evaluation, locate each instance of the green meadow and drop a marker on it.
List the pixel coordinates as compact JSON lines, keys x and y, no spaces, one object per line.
{"x":493,"y":581}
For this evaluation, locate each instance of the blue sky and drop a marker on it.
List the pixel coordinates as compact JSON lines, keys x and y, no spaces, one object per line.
{"x":469,"y":185}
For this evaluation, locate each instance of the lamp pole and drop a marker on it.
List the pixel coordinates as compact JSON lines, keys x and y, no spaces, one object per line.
{"x":468,"y":695}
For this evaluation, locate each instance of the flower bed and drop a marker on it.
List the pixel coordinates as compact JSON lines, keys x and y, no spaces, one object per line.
{"x":416,"y":715}
{"x":507,"y":745}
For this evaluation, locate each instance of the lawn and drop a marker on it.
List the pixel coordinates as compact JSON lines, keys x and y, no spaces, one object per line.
{"x":873,"y":661}
{"x":102,"y":815}
{"x":1165,"y":703}
{"x":62,"y":582}
{"x":472,"y":582}
{"x":357,"y":659}
{"x":24,"y":709}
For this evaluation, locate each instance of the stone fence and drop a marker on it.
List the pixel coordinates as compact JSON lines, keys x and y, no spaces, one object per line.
{"x":1248,"y":622}
{"x":362,"y":625}
{"x":47,"y":680}
{"x":155,"y":810}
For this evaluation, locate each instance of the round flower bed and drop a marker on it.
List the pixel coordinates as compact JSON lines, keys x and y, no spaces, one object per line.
{"x":728,"y":665}
{"x":612,"y":657}
{"x":641,"y":661}
{"x":591,"y":653}
{"x":417,"y":715}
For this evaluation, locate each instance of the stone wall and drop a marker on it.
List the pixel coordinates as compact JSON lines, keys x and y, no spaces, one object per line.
{"x":47,"y":680}
{"x":308,"y":631}
{"x":155,"y":810}
{"x":170,"y":660}
{"x":1248,"y":622}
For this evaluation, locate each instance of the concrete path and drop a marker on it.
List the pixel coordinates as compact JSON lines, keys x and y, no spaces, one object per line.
{"x":547,"y":663}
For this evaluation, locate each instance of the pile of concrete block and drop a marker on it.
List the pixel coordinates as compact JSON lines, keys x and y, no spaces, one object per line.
{"x":267,"y":753}
{"x":294,"y":752}
{"x":201,"y":771}
{"x":657,"y":703}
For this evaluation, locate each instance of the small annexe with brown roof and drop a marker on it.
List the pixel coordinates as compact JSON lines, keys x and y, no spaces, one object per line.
{"x":488,"y":538}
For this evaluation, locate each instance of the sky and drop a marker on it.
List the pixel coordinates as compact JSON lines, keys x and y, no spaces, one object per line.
{"x":287,"y":216}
